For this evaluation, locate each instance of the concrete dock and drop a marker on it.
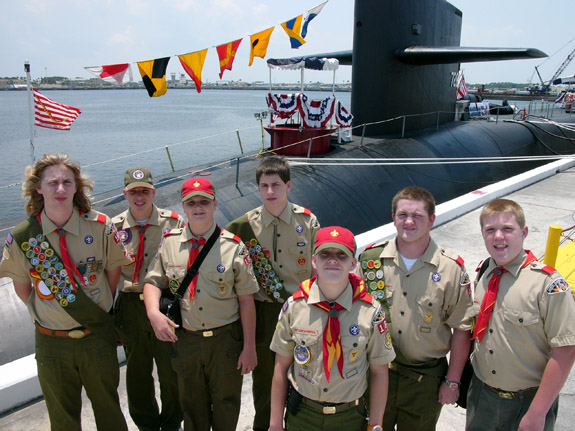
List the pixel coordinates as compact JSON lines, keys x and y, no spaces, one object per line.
{"x":549,"y":201}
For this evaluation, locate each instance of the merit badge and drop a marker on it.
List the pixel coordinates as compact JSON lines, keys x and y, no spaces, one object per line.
{"x":301,"y":354}
{"x":377,"y":264}
{"x":436,"y":276}
{"x":370,"y":264}
{"x":559,"y":285}
{"x":44,"y":245}
{"x":363,"y":264}
{"x":371,"y":276}
{"x":221,"y":268}
{"x":379,"y":274}
{"x":353,"y":355}
{"x":380,"y":284}
{"x":33,"y":242}
{"x":71,"y":297}
{"x":88,"y":239}
{"x":25,"y":246}
{"x":299,"y":228}
{"x":354,"y":329}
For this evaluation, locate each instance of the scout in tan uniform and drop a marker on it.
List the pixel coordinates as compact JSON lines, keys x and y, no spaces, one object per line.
{"x":329,"y":334}
{"x":524,"y":334}
{"x":216,"y":344}
{"x":424,"y":290}
{"x":141,"y":228}
{"x":280,"y":237}
{"x":65,"y":264}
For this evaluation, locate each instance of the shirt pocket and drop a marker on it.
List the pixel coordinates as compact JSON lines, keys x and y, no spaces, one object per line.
{"x":224,"y":282}
{"x":308,"y":348}
{"x":354,"y":351}
{"x":429,"y":312}
{"x":519,"y":319}
{"x":175,"y":273}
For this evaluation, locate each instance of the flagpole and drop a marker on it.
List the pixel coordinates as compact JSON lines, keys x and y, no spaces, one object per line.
{"x":30,"y":109}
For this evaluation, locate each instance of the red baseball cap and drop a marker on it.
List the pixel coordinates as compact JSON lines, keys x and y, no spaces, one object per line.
{"x":335,"y":237}
{"x":198,"y":187}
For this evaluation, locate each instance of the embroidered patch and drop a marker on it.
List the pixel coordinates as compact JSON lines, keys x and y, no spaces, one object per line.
{"x":382,"y":327}
{"x":436,"y":276}
{"x":125,"y":235}
{"x":388,"y":340}
{"x":354,"y":329}
{"x":428,"y":317}
{"x":10,"y":238}
{"x":301,"y":244}
{"x":285,"y":307}
{"x":305,"y":373}
{"x":221,"y":268}
{"x":299,"y":228}
{"x":559,"y":285}
{"x":465,"y":280}
{"x":379,"y":316}
{"x":425,"y":329}
{"x":353,"y":355}
{"x":301,"y":354}
{"x":305,"y":331}
{"x":351,"y":373}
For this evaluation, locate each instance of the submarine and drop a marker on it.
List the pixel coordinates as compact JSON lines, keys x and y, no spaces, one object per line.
{"x":404,"y":57}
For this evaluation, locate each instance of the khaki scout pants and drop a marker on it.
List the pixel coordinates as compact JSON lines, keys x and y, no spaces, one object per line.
{"x":209,"y":381}
{"x":64,"y":366}
{"x":142,"y":349}
{"x":412,"y":405}
{"x":266,"y":319}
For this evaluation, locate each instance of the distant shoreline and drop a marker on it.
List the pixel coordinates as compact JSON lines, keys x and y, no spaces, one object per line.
{"x":276,"y":88}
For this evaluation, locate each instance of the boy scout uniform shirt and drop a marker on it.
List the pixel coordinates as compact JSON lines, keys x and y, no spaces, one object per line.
{"x":93,"y":247}
{"x":295,"y":243}
{"x":534,"y":312}
{"x":225,"y":274}
{"x":424,"y":302}
{"x":363,"y":343}
{"x":160,"y":221}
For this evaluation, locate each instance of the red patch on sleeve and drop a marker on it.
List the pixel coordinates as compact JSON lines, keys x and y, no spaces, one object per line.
{"x":548,"y":269}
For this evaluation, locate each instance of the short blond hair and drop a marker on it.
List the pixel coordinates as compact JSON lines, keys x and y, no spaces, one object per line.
{"x":503,"y":206}
{"x":415,"y":193}
{"x":34,"y":173}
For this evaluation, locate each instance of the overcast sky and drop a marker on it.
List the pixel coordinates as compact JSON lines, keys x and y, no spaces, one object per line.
{"x":60,"y":37}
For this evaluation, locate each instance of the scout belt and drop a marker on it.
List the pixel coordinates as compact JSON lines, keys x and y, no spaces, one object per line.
{"x":329,"y":408}
{"x":212,"y":332}
{"x":75,"y":333}
{"x":512,"y":395}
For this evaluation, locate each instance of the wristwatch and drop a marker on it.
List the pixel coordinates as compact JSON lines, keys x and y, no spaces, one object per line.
{"x":452,"y":385}
{"x":374,"y":428}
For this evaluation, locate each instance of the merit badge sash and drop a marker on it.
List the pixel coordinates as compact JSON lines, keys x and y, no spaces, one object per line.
{"x":266,"y":275}
{"x":48,"y":268}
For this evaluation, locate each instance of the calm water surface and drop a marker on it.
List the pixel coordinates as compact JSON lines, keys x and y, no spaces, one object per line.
{"x":122,"y":128}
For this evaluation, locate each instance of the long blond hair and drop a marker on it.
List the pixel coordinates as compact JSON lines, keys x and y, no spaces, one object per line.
{"x":33,"y":179}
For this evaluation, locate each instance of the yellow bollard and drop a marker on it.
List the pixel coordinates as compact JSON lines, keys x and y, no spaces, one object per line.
{"x":552,"y":246}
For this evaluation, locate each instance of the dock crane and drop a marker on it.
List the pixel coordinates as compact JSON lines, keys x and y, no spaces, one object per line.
{"x":545,"y":86}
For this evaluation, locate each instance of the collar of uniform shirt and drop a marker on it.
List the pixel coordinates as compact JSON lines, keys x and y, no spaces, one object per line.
{"x":72,"y":225}
{"x":345,"y":299}
{"x":285,"y":216}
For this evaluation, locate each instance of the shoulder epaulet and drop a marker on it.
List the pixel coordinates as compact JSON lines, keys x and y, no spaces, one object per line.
{"x":169,"y":214}
{"x":538,"y":266}
{"x":377,"y":244}
{"x":298,"y":295}
{"x":118,"y":219}
{"x":448,"y":253}
{"x":301,"y":210}
{"x":95,"y":216}
{"x":229,"y":235}
{"x":366,"y":297}
{"x":173,"y":232}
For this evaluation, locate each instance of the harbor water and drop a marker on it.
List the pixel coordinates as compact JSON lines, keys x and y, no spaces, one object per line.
{"x":122,"y":128}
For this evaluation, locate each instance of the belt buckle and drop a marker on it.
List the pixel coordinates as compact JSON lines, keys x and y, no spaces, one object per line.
{"x":207,"y":334}
{"x":141,"y":296}
{"x":506,"y":395}
{"x":329,"y":410}
{"x":76,"y":334}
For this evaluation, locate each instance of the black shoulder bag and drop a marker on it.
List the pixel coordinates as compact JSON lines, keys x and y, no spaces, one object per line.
{"x":468,"y":369}
{"x":169,"y":301}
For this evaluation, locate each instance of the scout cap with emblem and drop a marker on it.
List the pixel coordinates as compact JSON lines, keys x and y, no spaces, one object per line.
{"x":138,"y":177}
{"x":335,"y":237}
{"x":198,"y":187}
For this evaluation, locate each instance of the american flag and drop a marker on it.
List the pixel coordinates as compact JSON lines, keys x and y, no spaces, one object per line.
{"x":461,"y":89}
{"x":53,"y":115}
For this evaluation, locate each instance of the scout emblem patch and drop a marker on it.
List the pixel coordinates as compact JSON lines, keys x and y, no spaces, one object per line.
{"x":354,"y":330}
{"x":559,"y":285}
{"x":301,"y":354}
{"x":174,"y":286}
{"x":436,"y":276}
